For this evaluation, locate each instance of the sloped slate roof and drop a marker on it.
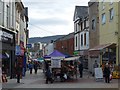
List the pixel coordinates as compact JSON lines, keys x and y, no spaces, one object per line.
{"x":80,"y":12}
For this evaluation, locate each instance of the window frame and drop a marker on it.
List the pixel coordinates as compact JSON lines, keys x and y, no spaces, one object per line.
{"x":111,"y":14}
{"x":103,"y":22}
{"x":93,"y":24}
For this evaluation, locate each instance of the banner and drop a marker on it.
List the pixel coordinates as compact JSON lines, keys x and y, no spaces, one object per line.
{"x":55,"y":63}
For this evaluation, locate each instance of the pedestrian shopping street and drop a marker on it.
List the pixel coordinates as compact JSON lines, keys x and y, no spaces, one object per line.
{"x":38,"y":81}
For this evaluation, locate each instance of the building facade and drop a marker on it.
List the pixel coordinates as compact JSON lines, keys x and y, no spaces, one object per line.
{"x":93,"y":33}
{"x":9,"y":30}
{"x":81,"y":30}
{"x":7,"y":36}
{"x":108,"y":27}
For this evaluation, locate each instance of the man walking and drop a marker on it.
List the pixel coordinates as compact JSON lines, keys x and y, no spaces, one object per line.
{"x":107,"y":73}
{"x":81,"y":69}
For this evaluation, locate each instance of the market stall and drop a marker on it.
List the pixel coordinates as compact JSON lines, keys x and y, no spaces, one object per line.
{"x":62,"y":67}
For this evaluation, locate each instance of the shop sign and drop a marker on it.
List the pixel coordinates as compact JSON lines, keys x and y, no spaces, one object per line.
{"x":17,"y":51}
{"x":5,"y":36}
{"x":76,"y":53}
{"x":29,"y":45}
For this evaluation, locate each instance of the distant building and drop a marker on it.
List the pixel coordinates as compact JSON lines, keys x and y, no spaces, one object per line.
{"x":49,"y":48}
{"x":65,"y":44}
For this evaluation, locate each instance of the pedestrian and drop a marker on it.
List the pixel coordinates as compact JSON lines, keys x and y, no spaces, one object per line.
{"x":35,"y":67}
{"x":95,"y":65}
{"x":106,"y":73}
{"x":48,"y":75}
{"x":81,"y":69}
{"x":18,"y":72}
{"x":30,"y":67}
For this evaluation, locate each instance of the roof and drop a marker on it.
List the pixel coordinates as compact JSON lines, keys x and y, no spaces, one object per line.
{"x":80,"y":12}
{"x":100,"y":47}
{"x":55,"y":53}
{"x":66,"y":37}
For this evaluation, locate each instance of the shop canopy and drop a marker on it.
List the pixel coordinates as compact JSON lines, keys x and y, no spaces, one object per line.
{"x":96,"y":50}
{"x":103,"y":46}
{"x":3,"y":56}
{"x":56,"y":53}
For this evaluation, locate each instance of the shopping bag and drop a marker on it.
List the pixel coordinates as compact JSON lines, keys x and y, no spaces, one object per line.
{"x":65,"y":76}
{"x":110,"y":77}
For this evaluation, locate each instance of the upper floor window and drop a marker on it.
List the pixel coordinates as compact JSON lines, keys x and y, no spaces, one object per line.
{"x":84,"y":38}
{"x":84,"y":23}
{"x":93,"y":24}
{"x":7,"y":16}
{"x":111,"y":1}
{"x":81,"y":26}
{"x":111,"y":13}
{"x":103,"y":18}
{"x":76,"y":42}
{"x":81,"y":39}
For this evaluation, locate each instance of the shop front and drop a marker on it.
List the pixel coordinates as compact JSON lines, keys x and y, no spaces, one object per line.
{"x":7,"y":51}
{"x":105,"y":53}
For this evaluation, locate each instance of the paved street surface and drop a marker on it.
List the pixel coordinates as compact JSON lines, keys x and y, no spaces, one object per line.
{"x":38,"y":81}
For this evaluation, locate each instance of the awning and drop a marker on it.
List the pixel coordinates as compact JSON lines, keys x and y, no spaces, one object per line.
{"x":103,"y":46}
{"x":94,"y":52}
{"x":5,"y":55}
{"x":72,"y":58}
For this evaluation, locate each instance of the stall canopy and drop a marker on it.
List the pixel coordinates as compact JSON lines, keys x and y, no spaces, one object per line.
{"x":72,"y":58}
{"x":55,"y":53}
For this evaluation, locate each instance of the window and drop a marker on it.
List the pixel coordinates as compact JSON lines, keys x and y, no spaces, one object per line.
{"x":111,"y":2}
{"x":81,"y":26}
{"x":103,"y":7}
{"x":7,"y":17}
{"x":76,"y":27}
{"x":82,"y":40}
{"x":111,"y":14}
{"x":93,"y":24}
{"x":84,"y":23}
{"x":76,"y":41}
{"x":103,"y":18}
{"x":85,"y":39}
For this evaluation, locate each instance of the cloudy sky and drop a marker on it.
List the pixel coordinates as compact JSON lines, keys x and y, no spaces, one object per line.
{"x":51,"y":17}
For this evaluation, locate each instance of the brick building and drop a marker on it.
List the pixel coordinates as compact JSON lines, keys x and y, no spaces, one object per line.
{"x":65,"y":44}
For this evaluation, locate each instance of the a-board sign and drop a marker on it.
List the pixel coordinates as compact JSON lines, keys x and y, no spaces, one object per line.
{"x":98,"y":73}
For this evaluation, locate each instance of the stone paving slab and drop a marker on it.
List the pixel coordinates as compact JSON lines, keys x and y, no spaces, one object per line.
{"x":38,"y":81}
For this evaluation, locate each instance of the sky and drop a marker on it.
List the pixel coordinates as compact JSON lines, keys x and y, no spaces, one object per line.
{"x":51,"y":17}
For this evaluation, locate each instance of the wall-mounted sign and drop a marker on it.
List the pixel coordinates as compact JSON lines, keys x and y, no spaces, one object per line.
{"x":6,"y":36}
{"x":17,"y":50}
{"x":29,"y":45}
